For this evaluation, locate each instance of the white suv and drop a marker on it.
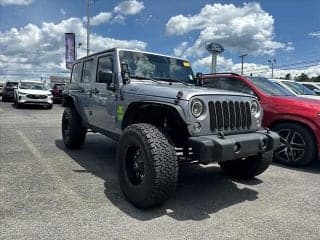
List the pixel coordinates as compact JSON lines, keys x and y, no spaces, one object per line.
{"x":32,"y":92}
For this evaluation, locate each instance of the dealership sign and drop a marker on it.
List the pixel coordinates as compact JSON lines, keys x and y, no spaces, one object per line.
{"x":70,"y":49}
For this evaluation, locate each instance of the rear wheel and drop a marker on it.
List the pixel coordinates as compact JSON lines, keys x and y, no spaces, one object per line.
{"x":73,"y":133}
{"x":248,"y":168}
{"x":297,"y":145}
{"x":147,"y":166}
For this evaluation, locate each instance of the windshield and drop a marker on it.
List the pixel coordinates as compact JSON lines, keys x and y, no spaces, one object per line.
{"x":270,"y":87}
{"x":11,"y":84}
{"x":151,"y":66}
{"x":33,"y":86}
{"x":299,"y":88}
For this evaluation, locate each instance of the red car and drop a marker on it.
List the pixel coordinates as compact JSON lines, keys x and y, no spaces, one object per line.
{"x":297,"y":120}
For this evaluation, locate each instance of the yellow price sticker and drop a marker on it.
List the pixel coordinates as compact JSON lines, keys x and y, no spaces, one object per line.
{"x":186,"y":64}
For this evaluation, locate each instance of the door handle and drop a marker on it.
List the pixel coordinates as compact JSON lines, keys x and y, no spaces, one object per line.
{"x":95,"y":91}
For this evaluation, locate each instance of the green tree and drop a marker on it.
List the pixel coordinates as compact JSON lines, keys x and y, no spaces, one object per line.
{"x":302,"y":78}
{"x":288,"y":76}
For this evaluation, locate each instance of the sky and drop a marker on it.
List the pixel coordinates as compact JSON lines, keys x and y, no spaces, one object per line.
{"x":286,"y":32}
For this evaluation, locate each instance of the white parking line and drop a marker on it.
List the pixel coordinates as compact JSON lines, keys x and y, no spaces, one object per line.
{"x":49,"y":169}
{"x":30,"y":145}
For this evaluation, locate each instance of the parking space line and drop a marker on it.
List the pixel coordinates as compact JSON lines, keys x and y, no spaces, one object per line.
{"x":39,"y":158}
{"x":30,"y":145}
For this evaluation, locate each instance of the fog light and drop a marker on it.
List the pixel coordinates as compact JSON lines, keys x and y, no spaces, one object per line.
{"x":197,"y":126}
{"x":236,"y":147}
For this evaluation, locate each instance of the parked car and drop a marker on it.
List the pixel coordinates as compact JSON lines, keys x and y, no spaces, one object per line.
{"x":57,"y":90}
{"x":32,"y":93}
{"x":314,"y":86}
{"x":8,"y":90}
{"x":1,"y":86}
{"x":296,"y":119}
{"x":297,"y":88}
{"x":149,"y":104}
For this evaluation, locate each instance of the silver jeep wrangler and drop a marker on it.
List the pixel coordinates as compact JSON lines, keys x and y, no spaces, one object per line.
{"x":151,"y":105}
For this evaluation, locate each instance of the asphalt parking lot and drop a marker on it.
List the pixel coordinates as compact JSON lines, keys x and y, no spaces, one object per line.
{"x":49,"y":192}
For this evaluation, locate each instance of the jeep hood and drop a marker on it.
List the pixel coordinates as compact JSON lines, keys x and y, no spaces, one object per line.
{"x":168,"y":90}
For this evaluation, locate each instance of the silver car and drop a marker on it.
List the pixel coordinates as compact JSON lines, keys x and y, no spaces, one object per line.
{"x":151,"y":105}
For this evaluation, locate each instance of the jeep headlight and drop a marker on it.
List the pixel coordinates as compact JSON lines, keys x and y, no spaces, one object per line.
{"x":255,"y":109}
{"x":197,"y":108}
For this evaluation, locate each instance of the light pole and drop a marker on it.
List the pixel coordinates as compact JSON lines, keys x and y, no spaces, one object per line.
{"x":88,"y":25}
{"x":214,"y":49}
{"x":242,"y":57}
{"x":272,"y":63}
{"x":79,"y":46}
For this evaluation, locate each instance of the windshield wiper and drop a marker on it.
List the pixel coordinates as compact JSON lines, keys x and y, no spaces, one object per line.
{"x":170,"y":80}
{"x":143,"y":78}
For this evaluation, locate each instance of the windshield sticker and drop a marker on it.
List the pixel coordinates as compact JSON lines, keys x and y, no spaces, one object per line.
{"x":120,"y":112}
{"x":186,"y":64}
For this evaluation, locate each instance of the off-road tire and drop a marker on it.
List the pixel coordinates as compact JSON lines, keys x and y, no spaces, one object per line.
{"x":248,"y":168}
{"x":160,"y":165}
{"x":310,"y":149}
{"x":73,"y":133}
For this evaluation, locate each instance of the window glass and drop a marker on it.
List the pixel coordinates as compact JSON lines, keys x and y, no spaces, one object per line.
{"x":76,"y":73}
{"x":105,"y":65}
{"x":87,"y":71}
{"x":156,"y":67}
{"x":270,"y":87}
{"x":299,"y":88}
{"x":230,"y":84}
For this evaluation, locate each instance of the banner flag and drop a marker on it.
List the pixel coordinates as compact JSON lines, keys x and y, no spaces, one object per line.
{"x":70,"y":49}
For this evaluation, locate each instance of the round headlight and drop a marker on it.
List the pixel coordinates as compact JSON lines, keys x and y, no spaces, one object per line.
{"x":197,"y":108}
{"x":255,"y":108}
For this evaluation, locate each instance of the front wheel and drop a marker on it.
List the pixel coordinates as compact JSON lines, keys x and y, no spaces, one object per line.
{"x":147,"y":165}
{"x":248,"y":168}
{"x":73,"y":133}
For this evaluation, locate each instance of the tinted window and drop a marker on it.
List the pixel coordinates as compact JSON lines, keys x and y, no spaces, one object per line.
{"x":270,"y":87}
{"x":76,"y":73}
{"x":105,"y":65}
{"x":87,"y":71}
{"x":230,"y":84}
{"x":299,"y":88}
{"x":11,"y":84}
{"x":33,"y":86}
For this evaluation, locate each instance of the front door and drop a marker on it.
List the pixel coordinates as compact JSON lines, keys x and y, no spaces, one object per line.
{"x":103,"y":97}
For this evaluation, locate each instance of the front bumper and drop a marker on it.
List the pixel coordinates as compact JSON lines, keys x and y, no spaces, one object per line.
{"x":23,"y":99}
{"x":213,"y":148}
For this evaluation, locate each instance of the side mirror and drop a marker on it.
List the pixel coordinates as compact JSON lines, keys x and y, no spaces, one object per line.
{"x":317,"y":91}
{"x":125,"y":73}
{"x":199,"y":79}
{"x":105,"y":77}
{"x":108,"y":78}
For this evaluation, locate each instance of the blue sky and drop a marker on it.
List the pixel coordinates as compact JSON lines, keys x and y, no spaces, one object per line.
{"x":31,"y":32}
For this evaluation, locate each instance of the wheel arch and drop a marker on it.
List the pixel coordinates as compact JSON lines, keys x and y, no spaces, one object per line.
{"x":157,"y":113}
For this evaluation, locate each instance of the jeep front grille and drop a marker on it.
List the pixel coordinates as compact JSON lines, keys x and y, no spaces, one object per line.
{"x":231,"y":115}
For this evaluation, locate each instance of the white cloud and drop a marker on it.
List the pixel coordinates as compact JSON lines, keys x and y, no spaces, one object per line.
{"x":246,"y":29}
{"x":15,"y":2}
{"x":315,"y":34}
{"x":264,"y":70}
{"x":131,"y":7}
{"x":102,"y":17}
{"x":34,"y":50}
